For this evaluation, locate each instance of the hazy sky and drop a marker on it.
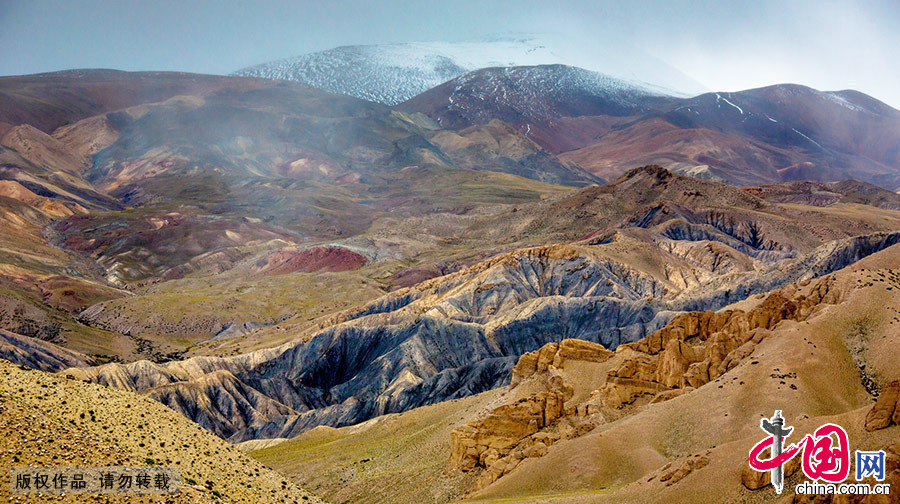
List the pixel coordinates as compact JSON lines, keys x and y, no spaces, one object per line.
{"x":725,"y":45}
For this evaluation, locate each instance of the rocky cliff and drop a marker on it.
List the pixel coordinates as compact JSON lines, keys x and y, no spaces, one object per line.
{"x":533,"y":421}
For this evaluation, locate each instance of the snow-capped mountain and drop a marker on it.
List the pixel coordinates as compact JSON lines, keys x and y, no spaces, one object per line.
{"x":521,"y":93}
{"x":540,"y":101}
{"x":393,"y":73}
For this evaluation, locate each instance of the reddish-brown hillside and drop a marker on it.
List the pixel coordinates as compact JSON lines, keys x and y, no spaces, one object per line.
{"x":50,"y":100}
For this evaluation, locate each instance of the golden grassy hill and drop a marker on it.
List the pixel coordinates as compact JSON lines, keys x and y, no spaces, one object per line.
{"x":46,"y":419}
{"x":392,"y":458}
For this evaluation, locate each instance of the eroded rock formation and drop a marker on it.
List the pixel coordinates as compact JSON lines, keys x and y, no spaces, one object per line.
{"x":461,"y":334}
{"x":673,"y":472}
{"x":528,"y":426}
{"x":690,"y":351}
{"x":886,"y":410}
{"x":554,"y":354}
{"x":37,"y":354}
{"x":698,"y":347}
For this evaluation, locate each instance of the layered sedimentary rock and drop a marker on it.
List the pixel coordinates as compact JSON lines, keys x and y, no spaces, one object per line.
{"x":687,"y":353}
{"x":528,"y":426}
{"x":698,"y":347}
{"x":37,"y":354}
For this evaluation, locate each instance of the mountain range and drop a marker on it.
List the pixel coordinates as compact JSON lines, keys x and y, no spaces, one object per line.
{"x":678,"y":247}
{"x":393,"y":73}
{"x":774,"y":134}
{"x":602,"y":117}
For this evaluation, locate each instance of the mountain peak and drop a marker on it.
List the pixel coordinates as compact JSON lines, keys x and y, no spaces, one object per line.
{"x":651,"y":172}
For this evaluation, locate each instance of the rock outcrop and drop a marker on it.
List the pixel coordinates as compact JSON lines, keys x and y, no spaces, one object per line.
{"x":698,"y":347}
{"x":886,"y":411}
{"x":528,"y":426}
{"x":673,"y":472}
{"x":554,"y":354}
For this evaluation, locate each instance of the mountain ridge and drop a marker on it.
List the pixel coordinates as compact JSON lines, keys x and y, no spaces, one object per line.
{"x":771,"y":134}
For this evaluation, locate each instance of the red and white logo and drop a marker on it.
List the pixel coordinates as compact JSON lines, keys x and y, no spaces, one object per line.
{"x":826,"y":457}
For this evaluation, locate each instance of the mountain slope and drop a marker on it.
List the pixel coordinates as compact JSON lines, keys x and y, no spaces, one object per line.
{"x":37,"y":354}
{"x":666,"y":452}
{"x":184,"y":177}
{"x":50,"y":100}
{"x":827,"y":193}
{"x":766,"y":135}
{"x":316,"y":154}
{"x":810,"y":134}
{"x":91,"y":425}
{"x":777,"y":133}
{"x":497,"y":144}
{"x":533,"y":98}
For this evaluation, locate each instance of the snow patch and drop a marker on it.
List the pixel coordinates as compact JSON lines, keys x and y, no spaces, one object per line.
{"x":722,"y":98}
{"x":840,"y":100}
{"x":806,"y":137}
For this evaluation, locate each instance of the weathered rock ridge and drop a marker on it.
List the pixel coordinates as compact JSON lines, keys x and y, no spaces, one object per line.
{"x":38,"y":354}
{"x":697,"y":347}
{"x":460,"y":334}
{"x":526,"y":427}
